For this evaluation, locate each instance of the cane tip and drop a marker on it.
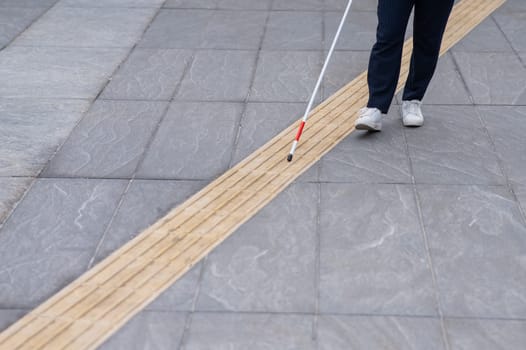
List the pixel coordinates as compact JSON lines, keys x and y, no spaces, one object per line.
{"x":289,"y":157}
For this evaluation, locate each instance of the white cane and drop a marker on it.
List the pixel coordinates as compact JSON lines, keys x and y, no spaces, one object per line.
{"x":320,"y":79}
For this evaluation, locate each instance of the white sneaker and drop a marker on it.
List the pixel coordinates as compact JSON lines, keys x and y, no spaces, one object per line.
{"x":370,"y":119}
{"x":412,"y":113}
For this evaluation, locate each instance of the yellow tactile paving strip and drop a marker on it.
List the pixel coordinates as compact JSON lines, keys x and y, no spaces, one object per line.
{"x":98,"y":303}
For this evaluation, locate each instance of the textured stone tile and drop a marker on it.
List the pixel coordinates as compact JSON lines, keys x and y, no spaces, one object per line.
{"x":14,"y":20}
{"x":486,"y":334}
{"x":244,"y":4}
{"x":493,"y":78}
{"x":269,"y":264}
{"x":87,"y":27}
{"x":143,"y":204}
{"x":62,"y":214}
{"x":250,"y":331}
{"x":191,"y":4}
{"x":261,"y":122}
{"x":109,"y":141}
{"x":507,"y":127}
{"x":513,"y":24}
{"x":486,"y":37}
{"x":218,"y":75}
{"x":369,"y":157}
{"x":331,"y":5}
{"x":31,"y":279}
{"x":442,"y":152}
{"x":49,"y":239}
{"x":27,"y":3}
{"x":31,"y":131}
{"x":194,"y":141}
{"x":112,"y":3}
{"x":294,"y":31}
{"x":373,"y":258}
{"x":512,"y":6}
{"x":286,"y":76}
{"x":477,"y":240}
{"x":206,"y":29}
{"x":8,"y":317}
{"x":343,"y":68}
{"x":358,"y":33}
{"x":11,"y":190}
{"x":148,"y":74}
{"x":56,"y":72}
{"x":446,"y":87}
{"x":520,"y":191}
{"x":149,"y":330}
{"x":345,"y":332}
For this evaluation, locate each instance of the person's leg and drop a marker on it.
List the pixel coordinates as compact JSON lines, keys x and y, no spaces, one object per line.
{"x":386,"y":55}
{"x":430,"y":22}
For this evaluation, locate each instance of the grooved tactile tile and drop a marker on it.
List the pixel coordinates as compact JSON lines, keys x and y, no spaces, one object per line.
{"x":98,"y":303}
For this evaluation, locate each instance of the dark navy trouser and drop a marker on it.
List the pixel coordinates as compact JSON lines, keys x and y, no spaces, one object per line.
{"x":430,"y":20}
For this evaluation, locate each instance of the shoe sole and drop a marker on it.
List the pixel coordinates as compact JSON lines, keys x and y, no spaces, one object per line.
{"x":413,"y":125}
{"x":368,"y":127}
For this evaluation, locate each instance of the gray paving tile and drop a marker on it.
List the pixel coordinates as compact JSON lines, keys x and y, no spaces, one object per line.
{"x":191,"y":4}
{"x":486,"y":334}
{"x":344,"y":332}
{"x":149,"y":75}
{"x":49,"y":239}
{"x":8,"y":317}
{"x":11,"y":190}
{"x":56,"y":72}
{"x":294,"y":31}
{"x":442,"y":152}
{"x":486,"y":37}
{"x":206,"y":29}
{"x":194,"y":141}
{"x":218,"y":76}
{"x":446,"y":87}
{"x":32,"y":129}
{"x":87,"y":27}
{"x":298,"y":5}
{"x":27,"y":3}
{"x":30,"y":279}
{"x":149,"y":330}
{"x":358,"y":33}
{"x":112,"y":3}
{"x":14,"y":20}
{"x":373,"y":258}
{"x":507,"y":126}
{"x":250,"y":331}
{"x":512,"y":6}
{"x":513,"y":24}
{"x":143,"y":204}
{"x":369,"y":157}
{"x":520,"y":191}
{"x":268,"y":265}
{"x":286,"y":76}
{"x":109,"y":141}
{"x":477,"y":240}
{"x":261,"y":122}
{"x":493,"y":78}
{"x":343,"y":68}
{"x":62,"y":214}
{"x":330,"y":5}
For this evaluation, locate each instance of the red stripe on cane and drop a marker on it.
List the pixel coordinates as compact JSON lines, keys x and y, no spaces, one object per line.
{"x":300,"y":131}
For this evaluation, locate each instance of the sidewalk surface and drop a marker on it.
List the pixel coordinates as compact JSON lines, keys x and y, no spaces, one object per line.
{"x":114,"y":111}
